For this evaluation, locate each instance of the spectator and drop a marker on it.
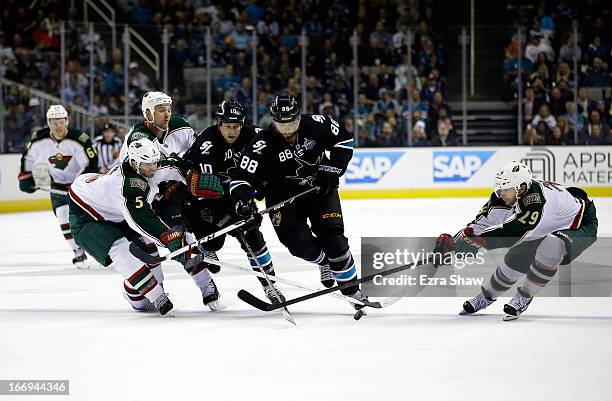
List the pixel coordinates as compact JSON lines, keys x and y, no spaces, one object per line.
{"x":388,"y":137}
{"x":239,"y":39}
{"x":596,"y":136}
{"x":597,"y":76}
{"x":244,"y":95}
{"x":198,"y":120}
{"x":228,"y":80}
{"x":531,"y":137}
{"x":556,"y":138}
{"x":114,"y":81}
{"x":536,"y":46}
{"x":544,"y":116}
{"x":419,"y":137}
{"x":570,"y":118}
{"x":566,"y":54}
{"x":73,"y":90}
{"x":137,"y":78}
{"x":444,"y":134}
{"x":556,"y":102}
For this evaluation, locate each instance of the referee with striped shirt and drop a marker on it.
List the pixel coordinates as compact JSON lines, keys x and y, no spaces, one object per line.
{"x":108,"y":146}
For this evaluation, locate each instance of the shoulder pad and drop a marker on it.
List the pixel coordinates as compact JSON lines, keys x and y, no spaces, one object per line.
{"x":177,"y":122}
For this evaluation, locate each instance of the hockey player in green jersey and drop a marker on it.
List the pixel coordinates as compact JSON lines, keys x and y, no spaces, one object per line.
{"x":171,"y":134}
{"x":67,"y":153}
{"x":109,"y":211}
{"x":544,"y":224}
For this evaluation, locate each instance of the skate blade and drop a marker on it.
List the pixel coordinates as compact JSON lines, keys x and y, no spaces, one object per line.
{"x":463,"y":312}
{"x":213,"y":306}
{"x":509,"y":318}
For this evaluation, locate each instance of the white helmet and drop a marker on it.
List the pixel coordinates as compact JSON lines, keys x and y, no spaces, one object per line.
{"x":56,"y":111}
{"x":512,"y":175}
{"x":143,"y":150}
{"x":152,"y":99}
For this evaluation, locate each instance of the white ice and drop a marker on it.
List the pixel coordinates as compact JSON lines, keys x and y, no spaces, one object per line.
{"x":60,"y":323}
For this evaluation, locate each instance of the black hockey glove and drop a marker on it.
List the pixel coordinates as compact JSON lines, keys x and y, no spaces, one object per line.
{"x":245,"y":208}
{"x":327,"y":179}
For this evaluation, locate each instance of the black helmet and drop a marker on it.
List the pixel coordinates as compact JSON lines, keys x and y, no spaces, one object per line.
{"x":285,"y":108}
{"x":230,"y":112}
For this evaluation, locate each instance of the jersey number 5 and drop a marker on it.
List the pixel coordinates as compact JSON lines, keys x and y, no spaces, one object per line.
{"x":249,"y":165}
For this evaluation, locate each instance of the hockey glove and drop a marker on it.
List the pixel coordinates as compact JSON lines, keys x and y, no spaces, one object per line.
{"x":247,"y":209}
{"x":174,"y":240}
{"x":207,"y":186}
{"x":444,"y":246}
{"x":467,"y":242}
{"x":26,"y":182}
{"x":327,"y":179}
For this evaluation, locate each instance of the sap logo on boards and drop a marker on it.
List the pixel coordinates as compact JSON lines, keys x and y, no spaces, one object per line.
{"x":370,"y":167}
{"x":458,"y":166}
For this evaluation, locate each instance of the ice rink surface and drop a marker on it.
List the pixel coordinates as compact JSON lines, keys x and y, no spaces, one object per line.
{"x":57,"y":322}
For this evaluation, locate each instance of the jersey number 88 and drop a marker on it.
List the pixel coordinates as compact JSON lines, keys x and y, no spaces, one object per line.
{"x":249,"y":165}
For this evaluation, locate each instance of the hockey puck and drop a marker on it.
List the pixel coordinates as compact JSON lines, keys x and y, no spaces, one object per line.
{"x":359,"y":314}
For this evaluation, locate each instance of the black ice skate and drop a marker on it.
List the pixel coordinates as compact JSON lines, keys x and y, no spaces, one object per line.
{"x":273,"y":294}
{"x":210,"y":296}
{"x":517,"y":305}
{"x":475,"y":304}
{"x":327,"y":278}
{"x":80,"y":259}
{"x":163,"y":304}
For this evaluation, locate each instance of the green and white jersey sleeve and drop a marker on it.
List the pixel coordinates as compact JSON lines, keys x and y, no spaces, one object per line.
{"x":65,"y":160}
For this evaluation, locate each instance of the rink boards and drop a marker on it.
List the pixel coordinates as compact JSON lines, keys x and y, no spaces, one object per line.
{"x":413,"y":172}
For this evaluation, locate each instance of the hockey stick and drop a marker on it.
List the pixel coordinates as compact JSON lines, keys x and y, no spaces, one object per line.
{"x":286,"y":314}
{"x":53,"y":191}
{"x":150,"y":259}
{"x":265,"y":306}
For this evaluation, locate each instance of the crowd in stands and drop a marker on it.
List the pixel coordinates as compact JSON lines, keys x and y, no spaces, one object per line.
{"x":546,"y":32}
{"x":30,"y":55}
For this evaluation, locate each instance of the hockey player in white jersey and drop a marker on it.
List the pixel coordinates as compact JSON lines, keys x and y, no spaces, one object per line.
{"x":109,"y":211}
{"x":67,"y":152}
{"x":544,"y":224}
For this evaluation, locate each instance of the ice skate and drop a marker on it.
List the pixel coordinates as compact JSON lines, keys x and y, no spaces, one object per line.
{"x":163,"y":305}
{"x":80,"y":259}
{"x":475,"y":304}
{"x":517,"y":305}
{"x":210,"y":296}
{"x":327,"y":278}
{"x":273,"y":294}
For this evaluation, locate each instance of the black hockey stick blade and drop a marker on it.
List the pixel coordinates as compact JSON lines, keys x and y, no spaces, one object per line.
{"x":144,"y":256}
{"x":265,"y":306}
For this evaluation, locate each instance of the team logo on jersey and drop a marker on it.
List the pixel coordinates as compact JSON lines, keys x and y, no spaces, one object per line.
{"x":276,"y":219}
{"x":60,"y":161}
{"x":259,"y":146}
{"x":309,"y":144}
{"x":370,"y":167}
{"x":205,"y":147}
{"x":458,"y":166}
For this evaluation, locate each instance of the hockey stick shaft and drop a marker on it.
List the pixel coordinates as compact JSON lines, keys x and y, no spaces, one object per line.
{"x":53,"y":191}
{"x":286,"y":314}
{"x":259,"y":304}
{"x":134,"y":249}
